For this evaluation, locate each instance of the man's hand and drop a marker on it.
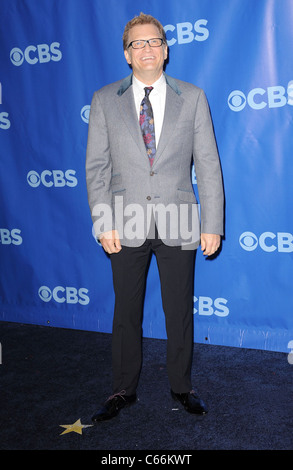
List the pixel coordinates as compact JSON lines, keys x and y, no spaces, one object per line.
{"x":210,"y":243}
{"x":110,"y":242}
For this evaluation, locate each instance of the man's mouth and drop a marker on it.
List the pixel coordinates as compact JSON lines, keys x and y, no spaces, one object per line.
{"x":149,"y":57}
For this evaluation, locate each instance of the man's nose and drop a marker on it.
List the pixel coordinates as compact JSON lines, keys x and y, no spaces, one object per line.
{"x":147,"y":46}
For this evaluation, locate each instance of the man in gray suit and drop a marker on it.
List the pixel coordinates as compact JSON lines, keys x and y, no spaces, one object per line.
{"x":144,"y":133}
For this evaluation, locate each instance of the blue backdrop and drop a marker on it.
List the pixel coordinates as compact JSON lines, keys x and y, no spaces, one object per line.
{"x":54,"y":54}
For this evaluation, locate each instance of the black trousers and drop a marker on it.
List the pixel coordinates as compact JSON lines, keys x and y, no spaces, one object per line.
{"x":176,"y":271}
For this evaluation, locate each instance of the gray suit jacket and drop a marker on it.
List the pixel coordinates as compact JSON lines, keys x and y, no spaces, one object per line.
{"x":125,"y":193}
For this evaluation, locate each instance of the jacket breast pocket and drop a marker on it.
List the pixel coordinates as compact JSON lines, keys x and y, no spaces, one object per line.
{"x":186,"y":195}
{"x":116,"y":184}
{"x":185,"y":125}
{"x":116,"y":179}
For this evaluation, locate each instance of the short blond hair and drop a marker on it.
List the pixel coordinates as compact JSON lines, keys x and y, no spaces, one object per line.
{"x":139,"y":20}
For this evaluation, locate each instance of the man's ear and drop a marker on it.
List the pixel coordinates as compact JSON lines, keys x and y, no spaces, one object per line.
{"x":127,"y":56}
{"x":165,"y":51}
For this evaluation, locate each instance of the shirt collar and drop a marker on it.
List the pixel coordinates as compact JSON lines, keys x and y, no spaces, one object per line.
{"x":127,"y":82}
{"x":158,"y":85}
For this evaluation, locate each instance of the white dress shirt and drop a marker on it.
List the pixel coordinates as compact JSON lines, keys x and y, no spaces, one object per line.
{"x":157,"y":99}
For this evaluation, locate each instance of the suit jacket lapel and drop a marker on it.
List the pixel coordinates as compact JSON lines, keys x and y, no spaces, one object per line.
{"x":172,"y":111}
{"x":129,"y":115}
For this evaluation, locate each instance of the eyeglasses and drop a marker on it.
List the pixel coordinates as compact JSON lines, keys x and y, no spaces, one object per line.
{"x":141,"y":43}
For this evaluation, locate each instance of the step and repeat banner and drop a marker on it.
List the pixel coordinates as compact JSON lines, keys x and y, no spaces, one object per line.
{"x":53,"y":55}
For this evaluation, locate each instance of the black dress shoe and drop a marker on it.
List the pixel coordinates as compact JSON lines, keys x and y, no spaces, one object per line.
{"x":191,"y":402}
{"x":113,"y":405}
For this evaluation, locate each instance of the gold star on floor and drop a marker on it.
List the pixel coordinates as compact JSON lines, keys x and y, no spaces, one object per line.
{"x":75,"y":427}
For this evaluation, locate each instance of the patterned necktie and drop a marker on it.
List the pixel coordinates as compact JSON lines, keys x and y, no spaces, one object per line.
{"x":146,"y":121}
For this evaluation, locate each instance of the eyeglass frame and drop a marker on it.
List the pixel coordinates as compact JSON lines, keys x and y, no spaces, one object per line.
{"x":145,"y":41}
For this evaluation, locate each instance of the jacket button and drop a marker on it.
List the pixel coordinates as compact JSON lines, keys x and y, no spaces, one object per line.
{"x":149,"y":198}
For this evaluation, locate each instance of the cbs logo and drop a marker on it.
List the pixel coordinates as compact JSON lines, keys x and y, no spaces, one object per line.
{"x":69,"y":295}
{"x":4,"y":117}
{"x":259,"y":98}
{"x":4,"y":120}
{"x":267,"y":241}
{"x":48,"y":178}
{"x":10,"y":237}
{"x":208,"y":306}
{"x":41,"y":53}
{"x":187,"y":32}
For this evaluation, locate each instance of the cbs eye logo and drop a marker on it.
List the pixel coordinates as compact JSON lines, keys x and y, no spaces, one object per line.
{"x":237,"y":100}
{"x":16,"y":56}
{"x":45,"y":294}
{"x":85,"y":113}
{"x":248,"y":241}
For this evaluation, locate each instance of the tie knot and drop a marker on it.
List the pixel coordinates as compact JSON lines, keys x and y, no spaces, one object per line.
{"x":147,"y":90}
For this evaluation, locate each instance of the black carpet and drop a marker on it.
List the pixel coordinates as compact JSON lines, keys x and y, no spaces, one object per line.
{"x":52,"y":377}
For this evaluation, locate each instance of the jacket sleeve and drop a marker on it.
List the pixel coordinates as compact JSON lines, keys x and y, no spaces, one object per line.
{"x":208,"y":170}
{"x":99,"y":169}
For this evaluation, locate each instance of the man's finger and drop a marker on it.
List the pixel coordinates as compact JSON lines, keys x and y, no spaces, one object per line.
{"x":110,"y":242}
